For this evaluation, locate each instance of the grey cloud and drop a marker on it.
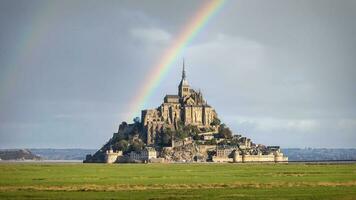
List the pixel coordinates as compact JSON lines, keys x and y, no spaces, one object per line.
{"x":281,"y":72}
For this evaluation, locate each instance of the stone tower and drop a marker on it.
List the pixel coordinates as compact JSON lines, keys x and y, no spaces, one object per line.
{"x":183,"y":88}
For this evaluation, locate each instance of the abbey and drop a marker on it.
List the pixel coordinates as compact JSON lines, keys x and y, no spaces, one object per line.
{"x":188,"y":107}
{"x":184,"y":128}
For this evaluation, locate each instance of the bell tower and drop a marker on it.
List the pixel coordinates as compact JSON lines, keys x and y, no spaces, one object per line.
{"x":183,"y":88}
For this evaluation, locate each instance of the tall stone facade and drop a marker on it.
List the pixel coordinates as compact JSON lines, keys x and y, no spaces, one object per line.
{"x":188,"y":107}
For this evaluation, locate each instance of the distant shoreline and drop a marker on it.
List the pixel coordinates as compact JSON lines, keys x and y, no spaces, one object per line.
{"x":314,"y":162}
{"x":299,"y":155}
{"x":41,"y":161}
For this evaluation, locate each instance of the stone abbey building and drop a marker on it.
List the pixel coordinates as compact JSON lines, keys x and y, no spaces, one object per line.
{"x":184,"y":128}
{"x":188,"y":107}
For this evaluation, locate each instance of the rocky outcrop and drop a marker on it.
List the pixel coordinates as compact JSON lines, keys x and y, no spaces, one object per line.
{"x":18,"y":154}
{"x":185,"y":153}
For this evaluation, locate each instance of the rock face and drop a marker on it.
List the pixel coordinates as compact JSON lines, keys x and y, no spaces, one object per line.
{"x":185,"y":153}
{"x":18,"y":154}
{"x":184,"y":128}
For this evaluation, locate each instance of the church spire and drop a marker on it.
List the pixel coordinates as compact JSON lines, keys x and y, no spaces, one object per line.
{"x":183,"y":88}
{"x":183,"y":72}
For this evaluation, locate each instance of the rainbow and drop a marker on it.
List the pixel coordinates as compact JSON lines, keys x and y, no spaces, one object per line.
{"x":191,"y":30}
{"x":26,"y":46}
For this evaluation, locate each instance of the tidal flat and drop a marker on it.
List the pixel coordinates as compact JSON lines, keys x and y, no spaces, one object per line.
{"x":177,"y":181}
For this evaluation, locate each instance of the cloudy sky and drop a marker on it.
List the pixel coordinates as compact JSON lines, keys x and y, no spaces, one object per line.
{"x":280,"y":72}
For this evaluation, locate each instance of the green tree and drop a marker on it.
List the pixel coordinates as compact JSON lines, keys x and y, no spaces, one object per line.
{"x":224,"y":142}
{"x":216,"y":121}
{"x":194,"y":129}
{"x":135,"y":131}
{"x":213,"y":141}
{"x":122,"y":126}
{"x":136,"y":120}
{"x":196,"y":136}
{"x":137,"y":146}
{"x":121,"y":145}
{"x":235,"y":142}
{"x":166,"y":138}
{"x":225,"y":132}
{"x":181,"y":134}
{"x":180,"y":125}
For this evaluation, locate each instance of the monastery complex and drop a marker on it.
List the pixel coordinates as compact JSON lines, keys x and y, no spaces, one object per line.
{"x":184,"y":128}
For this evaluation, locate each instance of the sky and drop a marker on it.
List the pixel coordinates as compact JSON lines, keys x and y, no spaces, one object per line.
{"x":279,"y":72}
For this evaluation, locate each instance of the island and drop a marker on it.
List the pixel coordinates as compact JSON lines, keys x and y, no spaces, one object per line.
{"x":184,"y":128}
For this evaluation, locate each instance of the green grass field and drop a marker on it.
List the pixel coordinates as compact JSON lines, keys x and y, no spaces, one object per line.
{"x":177,"y":181}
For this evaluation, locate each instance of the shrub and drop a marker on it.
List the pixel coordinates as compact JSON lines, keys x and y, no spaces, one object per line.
{"x":225,"y":132}
{"x":216,"y":121}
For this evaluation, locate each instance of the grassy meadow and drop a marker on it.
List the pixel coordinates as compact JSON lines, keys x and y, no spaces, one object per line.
{"x":177,"y":181}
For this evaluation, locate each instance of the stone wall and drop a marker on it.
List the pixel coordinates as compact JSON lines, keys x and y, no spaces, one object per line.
{"x":222,"y":159}
{"x":111,"y":156}
{"x":257,"y":158}
{"x":205,"y":148}
{"x":145,"y":155}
